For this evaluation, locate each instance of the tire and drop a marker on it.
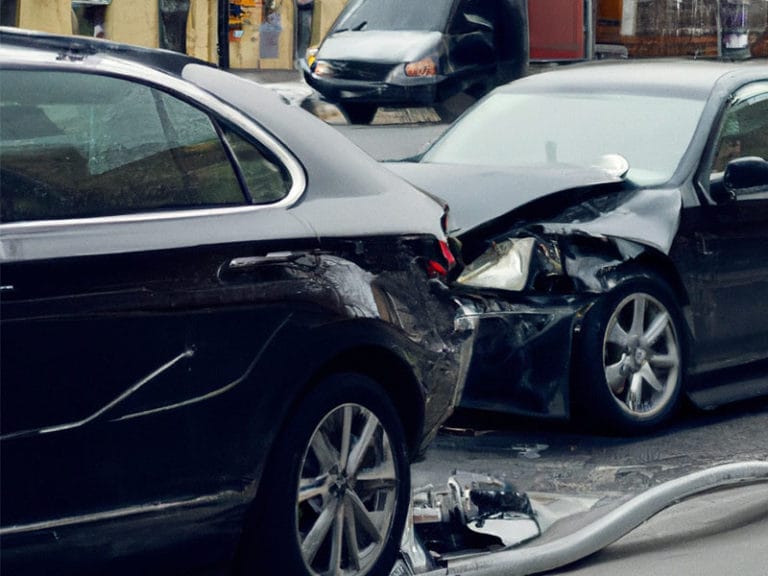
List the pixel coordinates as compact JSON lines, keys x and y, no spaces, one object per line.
{"x":330,"y":506}
{"x":358,"y":113}
{"x":630,"y":361}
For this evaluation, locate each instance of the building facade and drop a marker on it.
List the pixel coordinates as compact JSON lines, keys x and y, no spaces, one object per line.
{"x":255,"y":34}
{"x":271,"y":34}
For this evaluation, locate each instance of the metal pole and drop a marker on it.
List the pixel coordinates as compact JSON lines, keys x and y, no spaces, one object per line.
{"x":608,"y":529}
{"x":223,"y":33}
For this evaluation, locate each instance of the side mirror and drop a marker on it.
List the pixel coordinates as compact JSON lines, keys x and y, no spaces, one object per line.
{"x":746,"y":175}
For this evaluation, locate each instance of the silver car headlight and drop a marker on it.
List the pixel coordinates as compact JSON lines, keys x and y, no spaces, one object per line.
{"x":504,"y":266}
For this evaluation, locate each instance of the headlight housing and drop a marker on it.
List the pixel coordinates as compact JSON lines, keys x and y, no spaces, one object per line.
{"x":422,"y":68}
{"x":504,"y":266}
{"x":323,"y":68}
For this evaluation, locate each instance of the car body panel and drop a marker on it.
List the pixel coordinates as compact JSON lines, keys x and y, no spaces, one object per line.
{"x":150,"y":359}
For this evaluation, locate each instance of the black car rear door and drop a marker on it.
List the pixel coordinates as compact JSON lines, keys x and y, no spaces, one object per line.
{"x":125,"y":229}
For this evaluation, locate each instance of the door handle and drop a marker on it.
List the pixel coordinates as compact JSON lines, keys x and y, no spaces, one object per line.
{"x":246,"y":262}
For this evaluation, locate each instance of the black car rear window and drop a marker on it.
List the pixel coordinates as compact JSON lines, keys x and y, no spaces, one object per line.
{"x":428,"y":15}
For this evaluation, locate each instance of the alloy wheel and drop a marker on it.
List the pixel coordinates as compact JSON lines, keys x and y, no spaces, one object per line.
{"x":347,"y":493}
{"x":641,"y":355}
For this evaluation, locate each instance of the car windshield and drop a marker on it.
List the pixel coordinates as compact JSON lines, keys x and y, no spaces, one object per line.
{"x":394,"y":15}
{"x":576,"y":129}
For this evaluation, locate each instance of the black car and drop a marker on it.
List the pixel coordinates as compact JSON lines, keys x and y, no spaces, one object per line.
{"x":220,"y":345}
{"x":614,"y":223}
{"x":404,"y":53}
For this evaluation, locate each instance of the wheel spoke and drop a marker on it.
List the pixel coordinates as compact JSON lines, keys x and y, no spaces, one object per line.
{"x":366,"y":523}
{"x":650,"y":376}
{"x":359,"y":449}
{"x":618,"y":336}
{"x":638,"y":317}
{"x":634,"y":398}
{"x":378,"y":477}
{"x":312,"y":487}
{"x":336,"y":541}
{"x":317,"y":535}
{"x":326,"y":454}
{"x":671,"y":360}
{"x":346,"y":437}
{"x":615,"y":377}
{"x":656,"y":329}
{"x":350,"y":536}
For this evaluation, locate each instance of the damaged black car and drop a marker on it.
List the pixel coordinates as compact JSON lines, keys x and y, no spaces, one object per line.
{"x":613,"y":221}
{"x":221,"y":347}
{"x":405,"y":53}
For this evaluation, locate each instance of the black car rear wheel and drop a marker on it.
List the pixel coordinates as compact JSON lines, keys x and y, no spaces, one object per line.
{"x":358,"y":113}
{"x":337,"y":490}
{"x":631,"y":360}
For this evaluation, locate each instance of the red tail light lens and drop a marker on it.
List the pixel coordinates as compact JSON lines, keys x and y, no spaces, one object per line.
{"x":447,"y":254}
{"x":437,"y":269}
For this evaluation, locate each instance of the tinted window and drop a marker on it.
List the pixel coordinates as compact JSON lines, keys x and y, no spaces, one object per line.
{"x":744,"y":131}
{"x":267,"y":179}
{"x":395,"y":15}
{"x":79,"y":145}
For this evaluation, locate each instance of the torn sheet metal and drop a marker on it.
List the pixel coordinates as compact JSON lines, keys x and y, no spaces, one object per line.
{"x":521,"y":354}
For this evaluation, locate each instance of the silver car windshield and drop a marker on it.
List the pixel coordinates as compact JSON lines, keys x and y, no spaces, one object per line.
{"x":574,"y":129}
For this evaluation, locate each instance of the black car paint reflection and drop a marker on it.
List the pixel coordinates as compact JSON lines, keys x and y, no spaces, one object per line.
{"x":156,"y":357}
{"x":601,"y":241}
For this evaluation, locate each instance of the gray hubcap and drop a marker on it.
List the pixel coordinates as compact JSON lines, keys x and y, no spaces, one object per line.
{"x":641,"y":355}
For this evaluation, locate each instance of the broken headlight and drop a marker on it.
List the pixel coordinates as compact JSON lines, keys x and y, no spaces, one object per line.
{"x":505,"y":266}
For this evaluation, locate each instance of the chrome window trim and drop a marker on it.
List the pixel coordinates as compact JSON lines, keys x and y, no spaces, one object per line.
{"x":105,"y":65}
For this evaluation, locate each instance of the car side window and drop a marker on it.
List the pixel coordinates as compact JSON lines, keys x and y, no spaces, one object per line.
{"x":266,"y":178}
{"x":79,"y":145}
{"x":744,"y":129}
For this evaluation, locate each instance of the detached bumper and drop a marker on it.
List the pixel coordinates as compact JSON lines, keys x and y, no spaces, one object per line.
{"x":522,"y":354}
{"x":412,"y":92}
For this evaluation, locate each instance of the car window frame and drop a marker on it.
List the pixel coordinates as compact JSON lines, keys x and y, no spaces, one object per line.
{"x":217,"y":110}
{"x":704,"y":172}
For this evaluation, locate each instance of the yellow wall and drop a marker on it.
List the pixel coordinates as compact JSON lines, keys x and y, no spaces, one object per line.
{"x":137,"y":22}
{"x":45,"y":15}
{"x":325,"y":13}
{"x":202,"y":30}
{"x":245,"y":51}
{"x":134,"y":22}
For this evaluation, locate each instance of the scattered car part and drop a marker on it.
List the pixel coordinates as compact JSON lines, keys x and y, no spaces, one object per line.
{"x":535,"y":558}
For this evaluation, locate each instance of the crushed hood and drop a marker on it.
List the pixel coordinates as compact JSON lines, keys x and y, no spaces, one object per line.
{"x":485,"y":200}
{"x":379,"y":46}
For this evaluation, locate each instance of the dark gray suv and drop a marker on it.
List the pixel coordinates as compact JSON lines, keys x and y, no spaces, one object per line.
{"x":404,"y":53}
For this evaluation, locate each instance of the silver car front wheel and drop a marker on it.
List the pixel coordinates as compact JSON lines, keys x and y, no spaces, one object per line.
{"x":630,"y":356}
{"x":641,"y":355}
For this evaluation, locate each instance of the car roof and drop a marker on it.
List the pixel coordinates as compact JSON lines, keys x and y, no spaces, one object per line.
{"x":75,"y":47}
{"x":692,"y":78}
